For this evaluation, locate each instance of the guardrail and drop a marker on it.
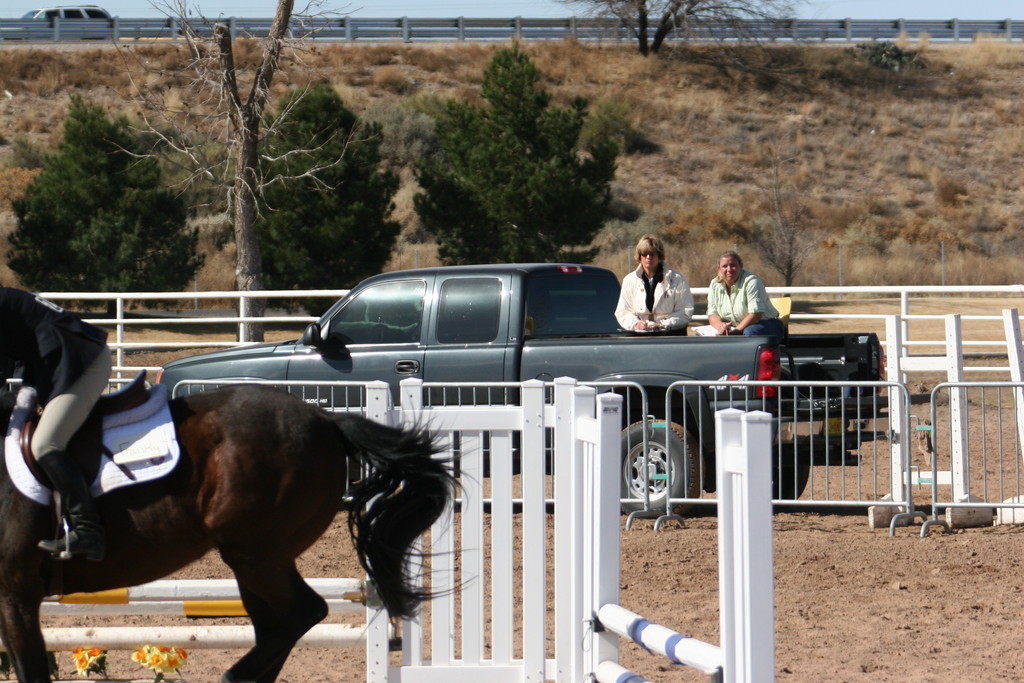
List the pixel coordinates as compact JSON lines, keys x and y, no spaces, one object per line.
{"x":457,"y":29}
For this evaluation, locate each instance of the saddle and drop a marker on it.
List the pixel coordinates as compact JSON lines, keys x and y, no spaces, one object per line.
{"x":86,"y":446}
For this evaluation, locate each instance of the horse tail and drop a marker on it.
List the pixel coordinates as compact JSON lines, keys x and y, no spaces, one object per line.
{"x":404,"y":491}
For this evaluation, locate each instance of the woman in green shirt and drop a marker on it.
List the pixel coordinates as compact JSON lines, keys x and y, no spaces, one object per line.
{"x":738,"y":302}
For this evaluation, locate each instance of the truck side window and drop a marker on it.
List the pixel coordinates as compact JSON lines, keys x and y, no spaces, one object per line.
{"x":468,"y":311}
{"x":390,"y":313}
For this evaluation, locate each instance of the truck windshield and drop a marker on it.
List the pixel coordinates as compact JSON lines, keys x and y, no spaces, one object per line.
{"x":571,"y":304}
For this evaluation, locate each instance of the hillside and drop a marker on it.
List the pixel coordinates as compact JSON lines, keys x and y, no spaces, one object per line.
{"x":897,"y":168}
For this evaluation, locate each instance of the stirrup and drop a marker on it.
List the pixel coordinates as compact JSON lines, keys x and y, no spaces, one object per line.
{"x":95,"y":553}
{"x":53,"y":546}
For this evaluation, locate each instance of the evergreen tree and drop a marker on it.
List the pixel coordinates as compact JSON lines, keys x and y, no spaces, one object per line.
{"x":324,"y":223}
{"x":98,"y":218}
{"x":514,"y":183}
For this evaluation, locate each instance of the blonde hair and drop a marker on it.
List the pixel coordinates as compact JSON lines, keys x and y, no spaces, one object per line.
{"x":649,"y":243}
{"x":731,"y":254}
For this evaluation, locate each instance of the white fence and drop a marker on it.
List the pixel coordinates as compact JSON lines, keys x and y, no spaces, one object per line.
{"x":482,"y":557}
{"x":457,"y":29}
{"x":135,"y":312}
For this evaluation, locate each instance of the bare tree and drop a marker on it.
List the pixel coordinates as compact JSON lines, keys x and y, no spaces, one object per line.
{"x":783,"y":233}
{"x":652,"y":21}
{"x":216,"y":136}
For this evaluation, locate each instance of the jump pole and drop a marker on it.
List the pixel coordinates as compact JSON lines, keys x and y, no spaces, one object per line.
{"x":191,"y":638}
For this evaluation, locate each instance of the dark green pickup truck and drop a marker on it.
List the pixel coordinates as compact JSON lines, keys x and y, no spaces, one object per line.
{"x":509,"y":323}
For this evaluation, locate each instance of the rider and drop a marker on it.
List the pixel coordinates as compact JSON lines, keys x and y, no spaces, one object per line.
{"x":68,"y":362}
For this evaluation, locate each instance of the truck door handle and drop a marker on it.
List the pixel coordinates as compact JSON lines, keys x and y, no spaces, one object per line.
{"x":407,"y":367}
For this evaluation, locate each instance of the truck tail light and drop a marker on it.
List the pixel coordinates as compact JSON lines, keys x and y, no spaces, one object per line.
{"x":768,"y":369}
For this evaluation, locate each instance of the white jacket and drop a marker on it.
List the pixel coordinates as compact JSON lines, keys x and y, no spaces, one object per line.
{"x":673,"y":300}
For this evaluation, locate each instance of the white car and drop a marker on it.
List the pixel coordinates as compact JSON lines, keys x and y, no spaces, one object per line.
{"x":68,"y":12}
{"x":69,"y":22}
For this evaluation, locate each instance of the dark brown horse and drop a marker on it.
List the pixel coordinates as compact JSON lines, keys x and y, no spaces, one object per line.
{"x":261,"y":477}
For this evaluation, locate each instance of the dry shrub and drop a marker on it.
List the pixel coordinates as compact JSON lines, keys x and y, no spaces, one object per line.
{"x":50,"y":80}
{"x":354,"y":98}
{"x":161,"y":57}
{"x":429,"y":59}
{"x":949,"y":191}
{"x":985,"y":52}
{"x":393,"y":79}
{"x":566,"y":61}
{"x":24,"y":67}
{"x":13,"y":182}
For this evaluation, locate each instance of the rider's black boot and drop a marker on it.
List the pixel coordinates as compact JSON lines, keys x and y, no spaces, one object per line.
{"x":87,"y":537}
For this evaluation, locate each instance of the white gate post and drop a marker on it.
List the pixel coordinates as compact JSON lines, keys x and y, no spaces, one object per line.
{"x":582,"y":402}
{"x":534,"y":521}
{"x":957,"y":408}
{"x":1015,"y":354}
{"x":745,"y":550}
{"x":602,"y":521}
{"x":900,"y":449}
{"x":379,"y":409}
{"x":566,"y":657}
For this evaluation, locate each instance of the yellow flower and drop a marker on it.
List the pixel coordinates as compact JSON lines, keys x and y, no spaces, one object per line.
{"x":91,"y":661}
{"x":160,"y":659}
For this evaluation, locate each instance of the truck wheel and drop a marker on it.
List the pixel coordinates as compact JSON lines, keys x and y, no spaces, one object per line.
{"x":681,"y":448}
{"x":790,"y":480}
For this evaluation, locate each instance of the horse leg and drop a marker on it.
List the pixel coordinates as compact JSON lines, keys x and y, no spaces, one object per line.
{"x":282,"y":607}
{"x":23,"y":640}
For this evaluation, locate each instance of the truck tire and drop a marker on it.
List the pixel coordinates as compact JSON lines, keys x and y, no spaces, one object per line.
{"x":683,"y":451}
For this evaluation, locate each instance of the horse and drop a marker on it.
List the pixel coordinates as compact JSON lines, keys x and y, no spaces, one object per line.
{"x":260,"y":478}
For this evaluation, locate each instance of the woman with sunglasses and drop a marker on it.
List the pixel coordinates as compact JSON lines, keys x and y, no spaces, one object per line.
{"x":654,"y":298}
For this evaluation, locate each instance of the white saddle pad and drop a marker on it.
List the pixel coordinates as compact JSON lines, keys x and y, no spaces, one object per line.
{"x":142,"y":441}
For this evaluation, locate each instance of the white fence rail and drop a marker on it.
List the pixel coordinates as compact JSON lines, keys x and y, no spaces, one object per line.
{"x":135,"y":312}
{"x":454,"y":29}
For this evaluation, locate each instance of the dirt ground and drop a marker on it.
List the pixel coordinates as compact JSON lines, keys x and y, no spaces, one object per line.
{"x":852,"y":603}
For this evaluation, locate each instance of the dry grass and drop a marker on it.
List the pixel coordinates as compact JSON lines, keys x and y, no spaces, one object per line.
{"x":891,"y":166}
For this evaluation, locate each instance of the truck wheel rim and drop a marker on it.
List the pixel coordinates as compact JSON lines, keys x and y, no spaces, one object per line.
{"x":657,"y":469}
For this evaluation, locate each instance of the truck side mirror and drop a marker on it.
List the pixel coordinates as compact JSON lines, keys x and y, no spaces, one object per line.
{"x":311,"y":336}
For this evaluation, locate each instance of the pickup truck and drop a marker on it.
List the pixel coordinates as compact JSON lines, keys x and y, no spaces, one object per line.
{"x":510,"y":323}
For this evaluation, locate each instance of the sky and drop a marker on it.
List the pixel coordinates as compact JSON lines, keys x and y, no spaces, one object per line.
{"x":831,"y":9}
